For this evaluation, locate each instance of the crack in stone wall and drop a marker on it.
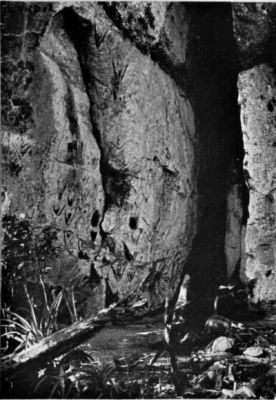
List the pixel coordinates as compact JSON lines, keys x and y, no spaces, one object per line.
{"x":212,"y":75}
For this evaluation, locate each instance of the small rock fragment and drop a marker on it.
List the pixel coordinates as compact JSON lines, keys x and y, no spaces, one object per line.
{"x":227,"y":393}
{"x":253,"y":351}
{"x":246,"y":392}
{"x":222,"y":344}
{"x":218,"y":323}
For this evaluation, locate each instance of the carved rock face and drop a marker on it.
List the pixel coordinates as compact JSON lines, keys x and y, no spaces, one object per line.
{"x":113,"y":163}
{"x":120,"y":130}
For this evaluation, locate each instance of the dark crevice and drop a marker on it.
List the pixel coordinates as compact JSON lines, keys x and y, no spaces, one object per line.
{"x":81,"y":32}
{"x":270,"y":106}
{"x":93,"y":236}
{"x":74,"y":152}
{"x":94,"y":277}
{"x":128,"y":255}
{"x":71,"y":114}
{"x":83,"y":255}
{"x":110,"y":297}
{"x":115,"y":183}
{"x":268,"y":273}
{"x":213,"y":72}
{"x":95,"y":218}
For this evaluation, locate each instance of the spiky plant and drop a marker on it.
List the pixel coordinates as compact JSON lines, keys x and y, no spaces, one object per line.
{"x":26,"y":331}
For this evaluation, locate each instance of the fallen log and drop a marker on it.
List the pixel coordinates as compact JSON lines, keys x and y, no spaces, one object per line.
{"x":70,"y":337}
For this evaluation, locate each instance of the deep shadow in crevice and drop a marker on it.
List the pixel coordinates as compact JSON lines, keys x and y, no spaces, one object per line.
{"x":82,"y":34}
{"x":127,"y":253}
{"x":213,"y":72}
{"x":110,"y":297}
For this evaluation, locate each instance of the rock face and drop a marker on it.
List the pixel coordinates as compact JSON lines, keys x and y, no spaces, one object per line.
{"x":257,"y":98}
{"x":121,"y":136}
{"x":105,"y":154}
{"x":255,"y":34}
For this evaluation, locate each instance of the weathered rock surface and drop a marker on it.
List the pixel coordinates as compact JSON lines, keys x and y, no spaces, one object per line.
{"x":257,"y":94}
{"x":121,"y":132}
{"x":108,"y":154}
{"x":249,"y":230}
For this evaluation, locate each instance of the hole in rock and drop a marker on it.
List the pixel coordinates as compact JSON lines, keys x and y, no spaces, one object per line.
{"x":95,"y":218}
{"x":270,"y":106}
{"x":82,"y":255}
{"x":133,"y":222}
{"x":93,"y":236}
{"x":268,"y":273}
